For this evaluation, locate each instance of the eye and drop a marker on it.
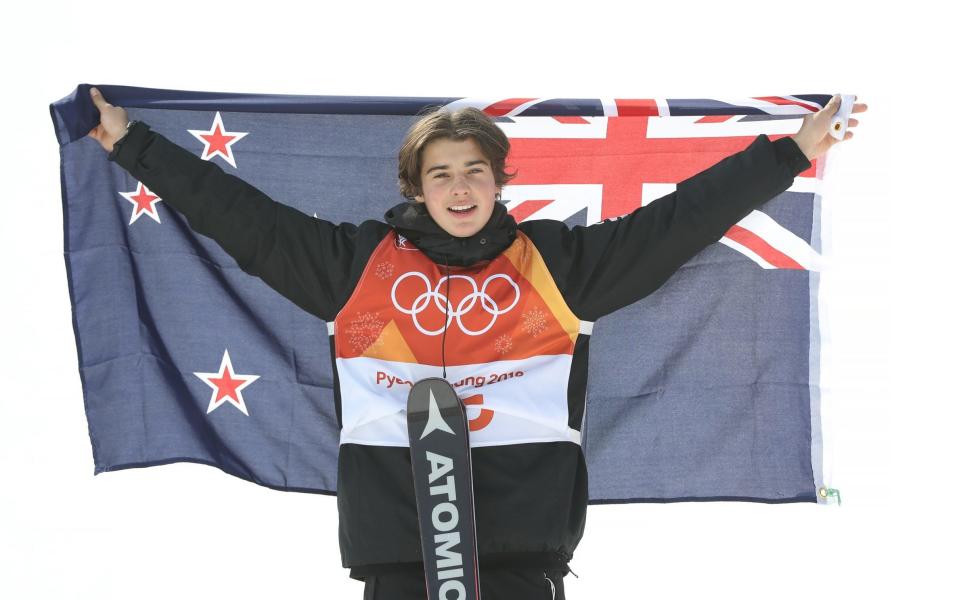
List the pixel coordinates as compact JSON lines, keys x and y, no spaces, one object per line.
{"x":438,"y":175}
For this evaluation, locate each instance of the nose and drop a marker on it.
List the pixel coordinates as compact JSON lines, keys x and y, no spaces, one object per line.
{"x":460,"y":187}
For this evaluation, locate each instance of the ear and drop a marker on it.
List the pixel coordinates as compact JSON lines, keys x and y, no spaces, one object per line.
{"x":419,"y":199}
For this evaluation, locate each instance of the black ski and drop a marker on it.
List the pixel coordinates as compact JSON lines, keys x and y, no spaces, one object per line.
{"x":443,"y":481}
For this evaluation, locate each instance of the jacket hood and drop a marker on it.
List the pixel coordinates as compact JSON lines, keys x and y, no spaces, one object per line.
{"x":413,"y":221}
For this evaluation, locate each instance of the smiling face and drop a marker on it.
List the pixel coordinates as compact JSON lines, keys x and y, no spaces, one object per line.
{"x":457,"y":185}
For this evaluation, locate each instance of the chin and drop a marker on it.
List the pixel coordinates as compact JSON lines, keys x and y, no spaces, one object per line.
{"x":463,"y":232}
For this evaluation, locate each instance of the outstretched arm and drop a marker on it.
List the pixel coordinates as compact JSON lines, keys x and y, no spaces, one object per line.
{"x":306,"y":259}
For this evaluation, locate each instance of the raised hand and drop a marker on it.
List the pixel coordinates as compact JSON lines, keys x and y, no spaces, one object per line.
{"x":113,"y":121}
{"x":813,"y":137}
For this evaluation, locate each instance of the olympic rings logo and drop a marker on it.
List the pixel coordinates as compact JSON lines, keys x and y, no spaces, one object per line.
{"x":465,"y":305}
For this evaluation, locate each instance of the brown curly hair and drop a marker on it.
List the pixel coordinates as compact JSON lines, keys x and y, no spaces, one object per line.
{"x":457,"y":125}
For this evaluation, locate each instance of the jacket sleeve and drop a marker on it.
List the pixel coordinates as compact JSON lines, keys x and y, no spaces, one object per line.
{"x":603,"y":267}
{"x":306,"y":259}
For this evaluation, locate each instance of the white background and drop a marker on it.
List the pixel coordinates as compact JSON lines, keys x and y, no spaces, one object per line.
{"x":190,"y":531}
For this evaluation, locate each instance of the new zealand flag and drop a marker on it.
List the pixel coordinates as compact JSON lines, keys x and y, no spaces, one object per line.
{"x":707,"y":389}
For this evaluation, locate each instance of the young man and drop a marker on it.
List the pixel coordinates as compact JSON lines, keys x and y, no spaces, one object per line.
{"x":451,"y":281}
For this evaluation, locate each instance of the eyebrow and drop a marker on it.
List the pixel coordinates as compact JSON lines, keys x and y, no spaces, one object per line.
{"x":469,"y":164}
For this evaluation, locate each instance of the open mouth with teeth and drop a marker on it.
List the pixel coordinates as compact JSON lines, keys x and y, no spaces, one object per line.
{"x":462,"y":210}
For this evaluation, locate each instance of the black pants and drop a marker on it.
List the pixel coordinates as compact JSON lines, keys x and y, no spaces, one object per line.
{"x":495,"y":584}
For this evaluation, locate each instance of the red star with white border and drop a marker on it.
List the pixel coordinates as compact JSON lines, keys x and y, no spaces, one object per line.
{"x":227,"y":385}
{"x":144,"y":203}
{"x":218,"y":141}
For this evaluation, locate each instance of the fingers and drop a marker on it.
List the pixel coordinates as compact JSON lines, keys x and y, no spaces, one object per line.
{"x":98,"y":100}
{"x":835,"y":103}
